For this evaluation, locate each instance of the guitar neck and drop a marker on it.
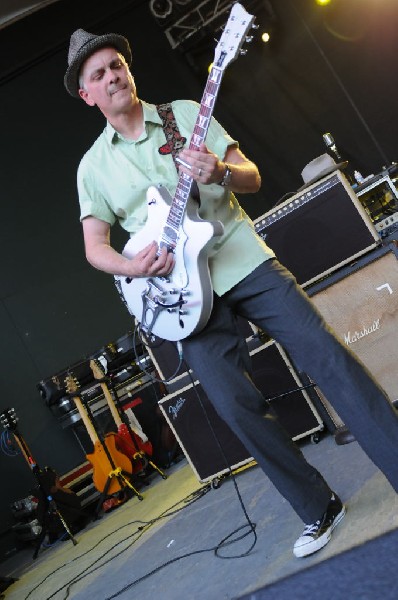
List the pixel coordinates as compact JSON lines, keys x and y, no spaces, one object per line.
{"x":206,"y":108}
{"x":111,"y":403}
{"x":233,"y":36}
{"x":184,"y":186}
{"x":86,"y":419}
{"x":24,"y":449}
{"x":99,"y":375}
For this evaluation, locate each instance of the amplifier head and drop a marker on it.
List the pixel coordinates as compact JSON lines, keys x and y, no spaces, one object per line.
{"x":319,"y":229}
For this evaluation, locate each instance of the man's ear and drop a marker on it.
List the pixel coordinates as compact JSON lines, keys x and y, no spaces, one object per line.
{"x":86,"y":97}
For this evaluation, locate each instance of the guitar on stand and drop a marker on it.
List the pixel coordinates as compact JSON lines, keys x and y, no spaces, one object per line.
{"x":111,"y":468}
{"x":9,"y":421}
{"x":132,"y":443}
{"x":179,"y":305}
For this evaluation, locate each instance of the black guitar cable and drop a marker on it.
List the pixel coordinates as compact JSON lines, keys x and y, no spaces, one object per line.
{"x":145,"y":342}
{"x":251,"y":526}
{"x":229,"y":539}
{"x":142,"y":527}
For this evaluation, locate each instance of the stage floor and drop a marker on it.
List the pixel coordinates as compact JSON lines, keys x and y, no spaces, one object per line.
{"x":168,"y":545}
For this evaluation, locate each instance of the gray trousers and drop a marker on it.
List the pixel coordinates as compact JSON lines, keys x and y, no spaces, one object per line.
{"x":270,"y":298}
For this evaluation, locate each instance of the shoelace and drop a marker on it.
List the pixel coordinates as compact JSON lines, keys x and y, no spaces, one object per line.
{"x":313,"y":528}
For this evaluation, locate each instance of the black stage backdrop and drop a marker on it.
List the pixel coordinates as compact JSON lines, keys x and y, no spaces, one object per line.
{"x":330,"y":70}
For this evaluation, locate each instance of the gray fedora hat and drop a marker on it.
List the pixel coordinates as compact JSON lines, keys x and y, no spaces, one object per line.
{"x":320,"y":167}
{"x":82,"y":45}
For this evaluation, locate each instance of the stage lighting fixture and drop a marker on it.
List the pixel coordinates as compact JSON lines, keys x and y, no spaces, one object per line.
{"x":161,"y":8}
{"x":265,"y":37}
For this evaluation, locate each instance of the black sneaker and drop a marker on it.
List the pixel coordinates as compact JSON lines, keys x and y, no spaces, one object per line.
{"x":317,"y":535}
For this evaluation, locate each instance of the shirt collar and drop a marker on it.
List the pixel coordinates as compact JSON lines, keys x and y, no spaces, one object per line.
{"x":151,"y":115}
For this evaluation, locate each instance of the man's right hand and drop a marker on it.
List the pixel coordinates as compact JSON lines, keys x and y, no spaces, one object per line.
{"x":146,"y":263}
{"x":102,"y":256}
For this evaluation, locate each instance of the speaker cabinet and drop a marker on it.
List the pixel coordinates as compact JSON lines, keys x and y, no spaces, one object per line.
{"x":318,"y":230}
{"x":199,"y":429}
{"x":362,"y":307}
{"x":279,"y":382}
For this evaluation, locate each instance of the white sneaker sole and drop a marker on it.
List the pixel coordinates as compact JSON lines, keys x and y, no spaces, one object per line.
{"x":307,"y":548}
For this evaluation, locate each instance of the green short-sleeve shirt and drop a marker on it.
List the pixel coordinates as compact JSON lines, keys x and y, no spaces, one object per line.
{"x":115,"y":173}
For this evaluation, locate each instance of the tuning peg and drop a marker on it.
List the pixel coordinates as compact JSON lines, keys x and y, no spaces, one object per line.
{"x":249,"y":38}
{"x":255,"y":26}
{"x":243,"y":51}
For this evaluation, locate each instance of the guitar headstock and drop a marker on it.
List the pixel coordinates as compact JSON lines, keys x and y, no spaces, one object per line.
{"x":9,"y":419}
{"x":234,"y":36}
{"x":97,"y":368}
{"x":72,"y":385}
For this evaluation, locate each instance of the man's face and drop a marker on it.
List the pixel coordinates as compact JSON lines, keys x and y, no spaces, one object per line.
{"x":106,"y":82}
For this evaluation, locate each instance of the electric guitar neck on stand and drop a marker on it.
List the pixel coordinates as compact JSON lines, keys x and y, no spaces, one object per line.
{"x":133,"y":445}
{"x":111,"y":468}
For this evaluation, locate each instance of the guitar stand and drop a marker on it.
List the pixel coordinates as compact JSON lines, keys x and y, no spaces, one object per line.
{"x":124,"y":480}
{"x":139,"y":454}
{"x":9,"y":420}
{"x":51,"y":508}
{"x":50,"y":504}
{"x":123,"y":477}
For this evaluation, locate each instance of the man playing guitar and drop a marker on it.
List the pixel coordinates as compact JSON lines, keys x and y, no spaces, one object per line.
{"x":246,"y":279}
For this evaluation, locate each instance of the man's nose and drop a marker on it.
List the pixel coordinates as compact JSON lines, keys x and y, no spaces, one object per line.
{"x":113,"y":76}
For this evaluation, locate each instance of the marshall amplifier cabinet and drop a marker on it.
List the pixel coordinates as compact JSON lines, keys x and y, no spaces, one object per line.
{"x":361,"y":305}
{"x":200,"y":431}
{"x":318,"y":230}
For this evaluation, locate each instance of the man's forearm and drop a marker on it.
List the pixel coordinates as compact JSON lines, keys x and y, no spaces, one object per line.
{"x":245,"y":177}
{"x":105,"y":258}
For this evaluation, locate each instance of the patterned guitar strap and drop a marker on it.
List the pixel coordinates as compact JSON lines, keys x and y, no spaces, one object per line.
{"x":174,"y":140}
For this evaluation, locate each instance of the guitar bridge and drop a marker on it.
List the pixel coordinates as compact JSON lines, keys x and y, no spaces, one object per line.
{"x":153,"y":302}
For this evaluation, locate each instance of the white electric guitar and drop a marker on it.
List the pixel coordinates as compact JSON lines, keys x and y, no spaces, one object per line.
{"x":176,"y":306}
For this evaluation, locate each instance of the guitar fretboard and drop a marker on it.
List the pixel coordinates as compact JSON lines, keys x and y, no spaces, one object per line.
{"x":184,"y":186}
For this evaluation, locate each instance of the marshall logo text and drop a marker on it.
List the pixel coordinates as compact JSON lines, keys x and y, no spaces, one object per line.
{"x":352,"y":337}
